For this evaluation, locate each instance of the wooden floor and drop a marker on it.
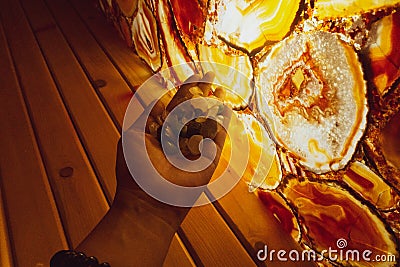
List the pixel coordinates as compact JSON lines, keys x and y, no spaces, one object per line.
{"x":66,"y":78}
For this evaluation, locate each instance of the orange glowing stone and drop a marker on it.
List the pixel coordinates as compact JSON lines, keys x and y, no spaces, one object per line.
{"x":368,"y":184}
{"x":325,"y":9}
{"x":190,"y":18}
{"x":236,"y":76}
{"x":391,"y":141}
{"x":277,"y":205}
{"x":332,"y":218}
{"x":145,"y":36}
{"x":263,"y":168}
{"x":175,"y":50}
{"x":384,"y":52}
{"x":250,"y":25}
{"x":310,"y":90}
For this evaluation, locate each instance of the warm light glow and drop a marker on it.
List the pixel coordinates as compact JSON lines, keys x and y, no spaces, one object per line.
{"x":384,"y":52}
{"x":228,"y":77}
{"x":254,"y":23}
{"x":362,"y":179}
{"x":296,"y":64}
{"x":264,"y":165}
{"x":320,"y":122}
{"x":262,"y":169}
{"x":344,"y":8}
{"x":175,"y":52}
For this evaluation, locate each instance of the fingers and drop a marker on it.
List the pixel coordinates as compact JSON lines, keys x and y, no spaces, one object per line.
{"x":206,"y":81}
{"x":183,"y":92}
{"x":204,"y":116}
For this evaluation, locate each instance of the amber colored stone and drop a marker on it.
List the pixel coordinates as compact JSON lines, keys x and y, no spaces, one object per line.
{"x":369,"y":185}
{"x":126,"y":30}
{"x":326,"y":9}
{"x":391,"y":141}
{"x":318,"y":115}
{"x":250,"y":25}
{"x":263,"y":168}
{"x":190,"y":18}
{"x":277,"y":205}
{"x":145,"y":36}
{"x":233,"y":71}
{"x":382,"y":137}
{"x":330,"y":214}
{"x":384,"y":52}
{"x":175,"y":51}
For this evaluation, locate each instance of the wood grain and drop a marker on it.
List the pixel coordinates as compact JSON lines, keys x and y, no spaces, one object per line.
{"x":78,"y":195}
{"x":32,"y":217}
{"x":91,"y":120}
{"x":178,"y":255}
{"x":133,"y":68}
{"x":212,"y":239}
{"x":115,"y":93}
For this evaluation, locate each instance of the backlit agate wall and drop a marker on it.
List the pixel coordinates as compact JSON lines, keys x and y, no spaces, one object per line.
{"x":327,"y":95}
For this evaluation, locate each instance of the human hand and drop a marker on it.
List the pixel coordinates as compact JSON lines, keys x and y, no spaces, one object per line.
{"x":150,"y":162}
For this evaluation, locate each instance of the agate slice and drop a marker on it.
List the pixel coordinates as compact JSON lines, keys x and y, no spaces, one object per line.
{"x":277,"y":205}
{"x":240,"y":86}
{"x":390,"y":137}
{"x":190,"y":16}
{"x":311,"y":91}
{"x":381,"y":142}
{"x":175,"y":50}
{"x":263,"y":169}
{"x":249,"y":25}
{"x":384,"y":52}
{"x":145,"y":36}
{"x":326,"y":9}
{"x":370,"y":186}
{"x":328,"y":213}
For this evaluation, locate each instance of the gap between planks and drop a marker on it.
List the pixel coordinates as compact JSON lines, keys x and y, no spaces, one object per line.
{"x":59,"y":145}
{"x":57,"y":16}
{"x":29,"y":208}
{"x":39,"y":25}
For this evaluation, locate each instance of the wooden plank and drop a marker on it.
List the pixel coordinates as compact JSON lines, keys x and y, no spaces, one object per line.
{"x":131,"y":66}
{"x":94,"y":125}
{"x":116,"y":93}
{"x":79,"y":197}
{"x":33,"y":220}
{"x":224,"y":250}
{"x":178,"y":255}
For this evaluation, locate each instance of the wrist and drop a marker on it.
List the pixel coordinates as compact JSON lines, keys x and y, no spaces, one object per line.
{"x":147,"y":209}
